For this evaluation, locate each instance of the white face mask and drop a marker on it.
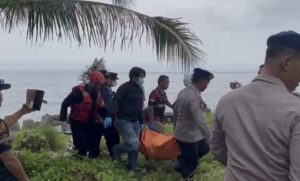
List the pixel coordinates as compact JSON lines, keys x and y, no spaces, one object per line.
{"x":113,"y":83}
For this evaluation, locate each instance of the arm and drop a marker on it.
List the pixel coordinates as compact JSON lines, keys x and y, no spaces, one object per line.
{"x":12,"y":119}
{"x":113,"y":106}
{"x":169,"y":104}
{"x":199,"y":119}
{"x":13,"y":165}
{"x":294,"y":149}
{"x":217,"y":142}
{"x":75,"y":97}
{"x":152,"y":99}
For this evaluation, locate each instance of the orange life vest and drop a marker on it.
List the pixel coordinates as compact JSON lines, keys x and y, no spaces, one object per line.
{"x":83,"y":111}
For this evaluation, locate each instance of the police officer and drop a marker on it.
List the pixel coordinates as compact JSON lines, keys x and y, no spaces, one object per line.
{"x":108,"y":129}
{"x":256,"y":133}
{"x":87,"y":113}
{"x":191,"y":131}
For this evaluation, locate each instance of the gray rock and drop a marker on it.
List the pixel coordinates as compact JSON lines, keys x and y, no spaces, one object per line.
{"x":15,"y":127}
{"x":28,"y":124}
{"x":65,"y":128}
{"x":52,"y":120}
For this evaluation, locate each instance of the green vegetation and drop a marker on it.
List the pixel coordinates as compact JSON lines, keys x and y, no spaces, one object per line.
{"x":45,"y":164}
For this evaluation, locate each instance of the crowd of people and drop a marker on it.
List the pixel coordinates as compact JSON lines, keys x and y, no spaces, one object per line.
{"x":255,"y":134}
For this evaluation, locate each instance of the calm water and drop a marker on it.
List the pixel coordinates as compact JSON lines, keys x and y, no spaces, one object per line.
{"x":58,"y":83}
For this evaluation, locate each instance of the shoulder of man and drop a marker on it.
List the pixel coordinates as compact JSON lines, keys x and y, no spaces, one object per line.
{"x":154,"y":94}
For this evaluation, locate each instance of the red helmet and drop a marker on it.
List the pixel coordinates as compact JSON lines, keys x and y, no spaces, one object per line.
{"x":97,"y":77}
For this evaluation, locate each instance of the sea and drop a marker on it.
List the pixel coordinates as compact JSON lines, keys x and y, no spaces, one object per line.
{"x":57,"y":84}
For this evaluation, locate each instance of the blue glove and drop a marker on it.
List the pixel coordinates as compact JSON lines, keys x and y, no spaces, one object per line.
{"x":142,"y":126}
{"x":107,"y":122}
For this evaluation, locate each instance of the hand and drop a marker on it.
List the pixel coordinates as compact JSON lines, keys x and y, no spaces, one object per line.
{"x":142,"y":126}
{"x":235,"y":84}
{"x":26,"y":109}
{"x":107,"y":122}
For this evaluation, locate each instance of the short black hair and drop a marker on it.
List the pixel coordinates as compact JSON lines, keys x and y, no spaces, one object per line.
{"x":201,"y":74}
{"x":275,"y":51}
{"x":162,"y":78}
{"x":136,"y":72}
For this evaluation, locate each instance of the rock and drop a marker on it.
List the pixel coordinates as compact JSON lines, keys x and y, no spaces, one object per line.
{"x":52,"y":120}
{"x":65,"y":128}
{"x":28,"y":124}
{"x":15,"y":127}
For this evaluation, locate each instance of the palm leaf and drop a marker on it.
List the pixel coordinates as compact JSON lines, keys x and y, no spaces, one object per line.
{"x":101,"y":25}
{"x":123,"y":3}
{"x":97,"y":65}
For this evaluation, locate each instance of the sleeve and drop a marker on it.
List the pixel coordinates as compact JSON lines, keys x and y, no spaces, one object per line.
{"x":113,"y":106}
{"x":199,"y":119}
{"x":152,"y":98}
{"x":4,"y":147}
{"x":294,"y":150}
{"x":4,"y":143}
{"x":217,"y":142}
{"x":75,"y":97}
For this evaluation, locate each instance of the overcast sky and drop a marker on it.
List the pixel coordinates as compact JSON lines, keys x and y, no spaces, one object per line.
{"x":234,"y":34}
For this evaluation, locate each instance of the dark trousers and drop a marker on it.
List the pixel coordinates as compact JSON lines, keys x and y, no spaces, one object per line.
{"x":112,"y":138}
{"x":190,"y":154}
{"x":87,"y":137}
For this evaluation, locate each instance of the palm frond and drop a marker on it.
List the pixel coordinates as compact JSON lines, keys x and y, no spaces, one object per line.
{"x":97,"y":65}
{"x":174,"y":40}
{"x":101,"y":25}
{"x":123,"y":3}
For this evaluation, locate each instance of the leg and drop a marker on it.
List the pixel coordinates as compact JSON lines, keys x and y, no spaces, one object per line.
{"x":130,"y":133}
{"x":79,"y":134}
{"x":112,"y":138}
{"x":203,"y":148}
{"x":95,"y":132}
{"x":188,"y":160}
{"x":133,"y":155}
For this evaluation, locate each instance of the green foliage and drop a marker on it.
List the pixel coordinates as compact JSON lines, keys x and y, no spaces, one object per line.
{"x":31,"y":140}
{"x":49,"y":166}
{"x":39,"y":166}
{"x":39,"y":139}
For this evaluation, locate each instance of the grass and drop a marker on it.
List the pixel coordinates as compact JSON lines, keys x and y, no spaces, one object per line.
{"x":54,"y":166}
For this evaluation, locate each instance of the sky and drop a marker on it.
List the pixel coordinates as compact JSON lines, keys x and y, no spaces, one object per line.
{"x":233,"y":32}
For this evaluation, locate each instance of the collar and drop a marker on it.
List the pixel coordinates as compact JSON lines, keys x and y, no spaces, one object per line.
{"x":194,"y":88}
{"x":269,"y":79}
{"x":160,"y":90}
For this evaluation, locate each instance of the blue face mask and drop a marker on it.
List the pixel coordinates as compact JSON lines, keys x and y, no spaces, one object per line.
{"x":141,"y":81}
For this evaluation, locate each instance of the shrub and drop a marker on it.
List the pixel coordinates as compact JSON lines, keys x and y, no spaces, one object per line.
{"x":31,"y":139}
{"x":40,"y":139}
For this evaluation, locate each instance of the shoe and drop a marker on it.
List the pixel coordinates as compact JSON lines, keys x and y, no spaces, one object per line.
{"x":117,"y":157}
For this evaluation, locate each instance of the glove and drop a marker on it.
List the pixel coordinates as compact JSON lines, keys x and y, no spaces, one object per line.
{"x":142,"y":126}
{"x":107,"y":122}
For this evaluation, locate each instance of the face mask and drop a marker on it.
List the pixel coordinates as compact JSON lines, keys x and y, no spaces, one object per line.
{"x":114,"y":83}
{"x":141,"y":81}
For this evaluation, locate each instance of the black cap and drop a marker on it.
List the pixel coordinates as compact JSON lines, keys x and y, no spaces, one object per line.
{"x":198,"y":72}
{"x":288,"y":39}
{"x":105,"y":73}
{"x":113,"y":75}
{"x":3,"y":85}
